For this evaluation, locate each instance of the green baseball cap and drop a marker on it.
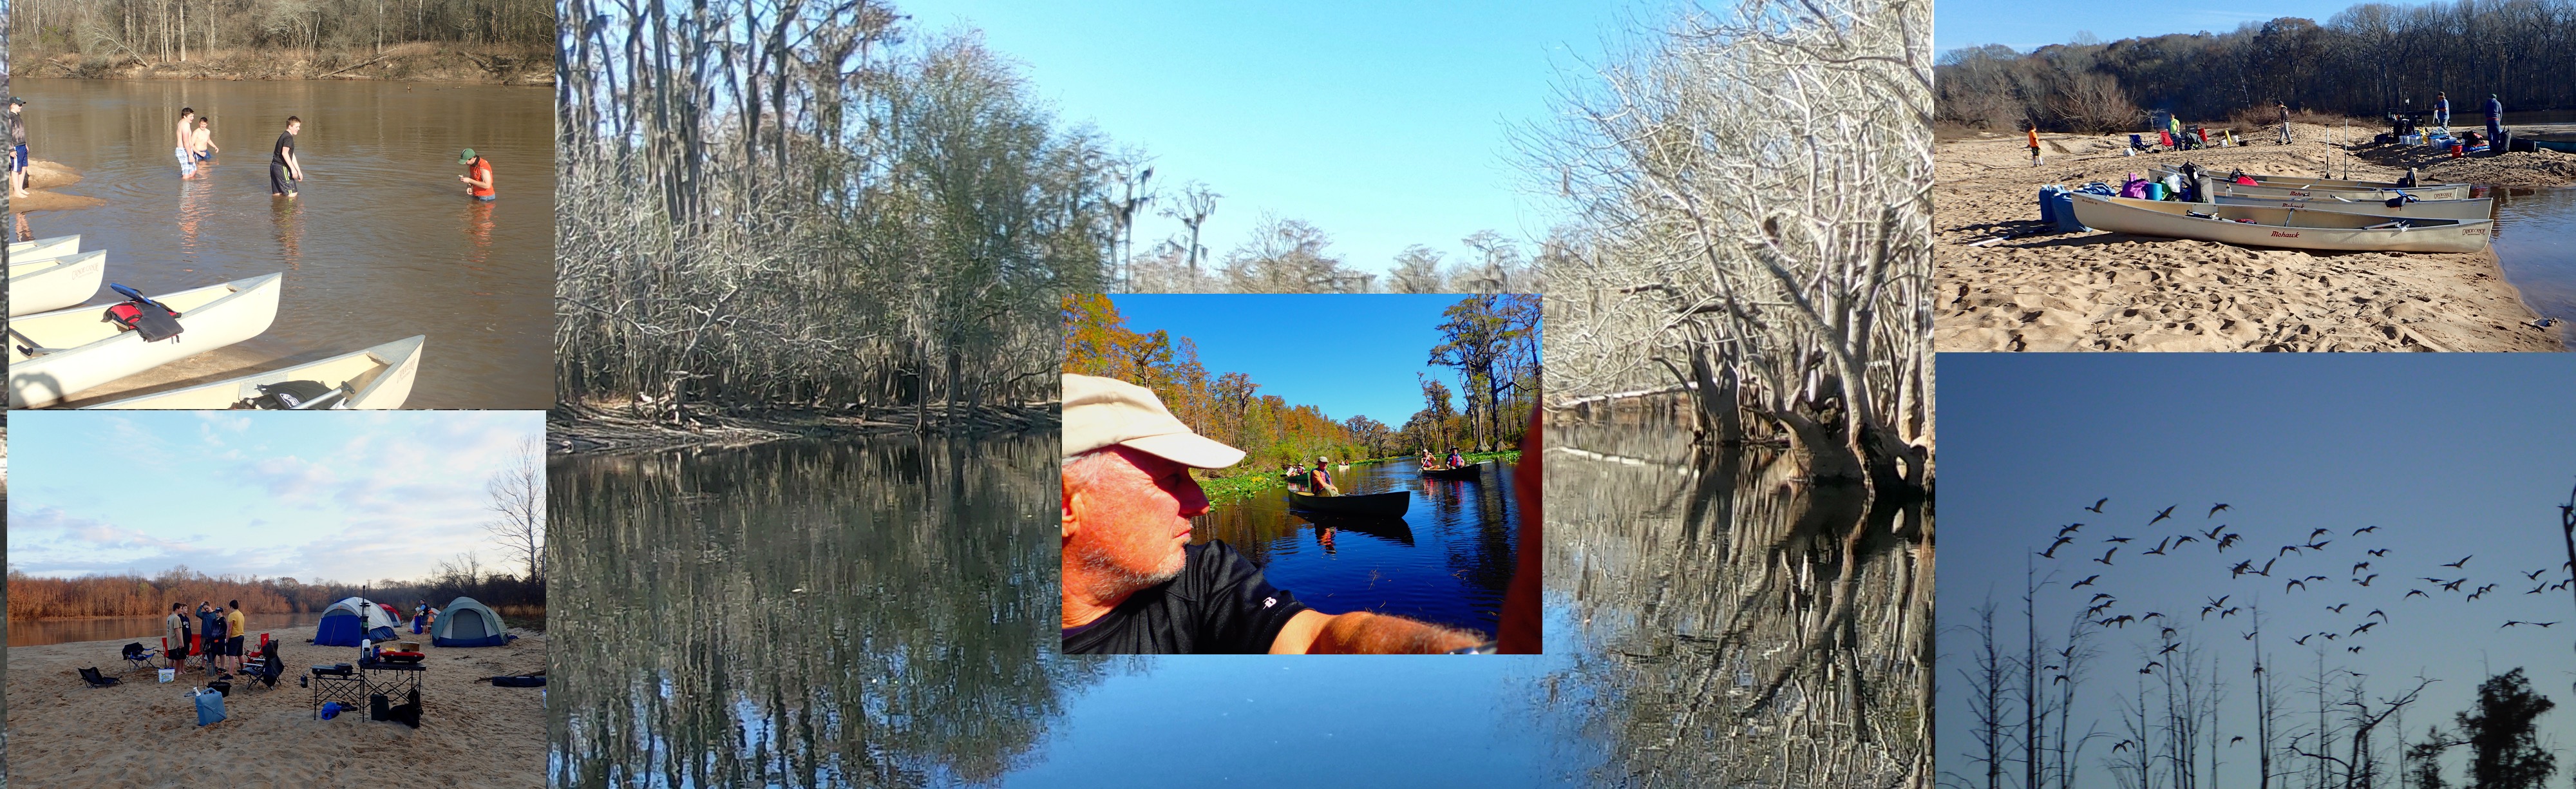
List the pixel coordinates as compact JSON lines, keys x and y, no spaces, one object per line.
{"x":467,"y":157}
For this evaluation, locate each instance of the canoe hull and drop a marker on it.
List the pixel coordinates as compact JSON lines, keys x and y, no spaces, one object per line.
{"x":242,"y":312}
{"x":382,"y":376}
{"x":2218,"y":188}
{"x":2283,"y":228}
{"x":2561,"y":146}
{"x":55,"y":283}
{"x":1375,"y":504}
{"x":1461,"y":472}
{"x":2472,"y":209}
{"x":42,"y":248}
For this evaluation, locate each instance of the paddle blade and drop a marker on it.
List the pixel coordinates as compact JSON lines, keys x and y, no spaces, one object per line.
{"x":125,"y":291}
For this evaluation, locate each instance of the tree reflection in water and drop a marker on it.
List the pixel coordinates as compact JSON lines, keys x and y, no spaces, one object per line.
{"x":1731,"y":625}
{"x":806,"y":614}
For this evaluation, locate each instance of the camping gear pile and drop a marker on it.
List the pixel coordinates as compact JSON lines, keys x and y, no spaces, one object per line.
{"x":58,"y":350}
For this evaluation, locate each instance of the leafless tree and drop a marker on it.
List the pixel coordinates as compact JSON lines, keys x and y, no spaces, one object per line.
{"x":518,"y":504}
{"x":2092,"y":102}
{"x":1985,"y":698}
{"x":1771,"y":263}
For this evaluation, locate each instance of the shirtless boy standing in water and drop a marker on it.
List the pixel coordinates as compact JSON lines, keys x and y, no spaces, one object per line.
{"x":202,"y":141}
{"x":187,"y":161}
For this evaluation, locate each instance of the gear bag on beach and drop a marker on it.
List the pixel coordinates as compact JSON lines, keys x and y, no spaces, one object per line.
{"x":154,"y":320}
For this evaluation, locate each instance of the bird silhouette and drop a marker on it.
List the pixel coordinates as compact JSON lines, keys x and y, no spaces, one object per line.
{"x":2318,"y":546}
{"x":2167,"y":513}
{"x":2286,"y":550}
{"x":2070,"y":529}
{"x":2097,"y":506}
{"x":2229,"y":540}
{"x":2229,"y":612}
{"x":2100,"y":608}
{"x":2213,"y":511}
{"x":2302,"y":640}
{"x":2222,"y":600}
{"x":2331,"y":636}
{"x":2168,"y":633}
{"x":2463,"y":560}
{"x":2160,"y":548}
{"x":2099,"y":595}
{"x":2240,"y":568}
{"x":2510,"y":624}
{"x":2249,"y":636}
{"x":2376,"y":612}
{"x":2366,"y":581}
{"x":2235,"y":741}
{"x":2414,"y":592}
{"x":2150,"y":669}
{"x":2431,"y":580}
{"x":2178,"y":541}
{"x":2117,"y":539}
{"x":2169,"y":648}
{"x":2316,"y":578}
{"x":2354,"y":650}
{"x":2151,"y":615}
{"x":2267,"y":568}
{"x":2379,"y":552}
{"x":2313,"y":534}
{"x":2285,"y":588}
{"x":2357,"y":567}
{"x":2364,"y":628}
{"x":2533,"y":574}
{"x":2365,"y":529}
{"x":2542,"y":624}
{"x":2338,"y":607}
{"x":2213,"y":533}
{"x":2084,"y":583}
{"x":2454,"y":586}
{"x":2052,"y":549}
{"x":2061,"y":678}
{"x":2106,"y":556}
{"x":2538,"y":589}
{"x":2124,"y":745}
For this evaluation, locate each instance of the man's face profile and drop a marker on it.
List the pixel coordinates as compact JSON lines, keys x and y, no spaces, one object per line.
{"x":1127,"y":516}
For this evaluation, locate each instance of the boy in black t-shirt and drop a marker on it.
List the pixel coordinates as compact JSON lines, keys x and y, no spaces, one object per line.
{"x":283,"y":170}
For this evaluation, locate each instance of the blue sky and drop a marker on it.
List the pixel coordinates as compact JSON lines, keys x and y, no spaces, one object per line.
{"x":2025,"y":26}
{"x":1385,"y":124}
{"x":346,"y":496}
{"x":1351,"y":354}
{"x":2450,"y":455}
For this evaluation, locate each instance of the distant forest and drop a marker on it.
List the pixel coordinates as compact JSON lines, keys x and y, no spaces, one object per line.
{"x":1491,"y":339}
{"x":32,"y":597}
{"x":179,"y":30}
{"x":2367,"y":59}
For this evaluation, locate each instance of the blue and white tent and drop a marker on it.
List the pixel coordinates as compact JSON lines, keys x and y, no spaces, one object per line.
{"x":347,"y":622}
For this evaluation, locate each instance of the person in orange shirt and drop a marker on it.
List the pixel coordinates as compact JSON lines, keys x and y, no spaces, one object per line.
{"x":2034,"y":144}
{"x":478,"y":175}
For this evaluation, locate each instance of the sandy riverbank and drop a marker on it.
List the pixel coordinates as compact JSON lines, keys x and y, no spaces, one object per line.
{"x":2097,"y":291}
{"x":42,"y":178}
{"x":472,"y":736}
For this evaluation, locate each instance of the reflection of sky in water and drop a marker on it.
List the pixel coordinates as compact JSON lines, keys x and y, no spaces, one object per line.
{"x":2536,"y":243}
{"x":1317,"y":720}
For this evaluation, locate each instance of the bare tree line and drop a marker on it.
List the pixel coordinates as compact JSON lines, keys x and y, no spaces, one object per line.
{"x":2366,"y":59}
{"x":798,"y":205}
{"x":1772,"y":264}
{"x":176,"y":30}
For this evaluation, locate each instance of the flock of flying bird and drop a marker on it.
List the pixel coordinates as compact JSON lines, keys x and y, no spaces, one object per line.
{"x":2315,"y":546}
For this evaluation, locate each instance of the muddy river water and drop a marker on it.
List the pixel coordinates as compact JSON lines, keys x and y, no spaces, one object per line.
{"x":382,"y":244}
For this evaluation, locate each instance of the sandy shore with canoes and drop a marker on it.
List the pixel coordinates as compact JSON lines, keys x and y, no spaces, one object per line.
{"x":141,"y":733}
{"x":43,"y":177}
{"x":2039,"y":290}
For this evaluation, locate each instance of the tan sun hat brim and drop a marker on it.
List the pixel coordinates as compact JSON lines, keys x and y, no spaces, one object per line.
{"x":1102,"y":412}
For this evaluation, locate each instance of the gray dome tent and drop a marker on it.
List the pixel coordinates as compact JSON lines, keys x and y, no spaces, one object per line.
{"x":466,"y":623}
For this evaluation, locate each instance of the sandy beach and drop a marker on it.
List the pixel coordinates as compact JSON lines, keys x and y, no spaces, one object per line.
{"x":2096,"y":291}
{"x":44,"y":176}
{"x":472,"y":735}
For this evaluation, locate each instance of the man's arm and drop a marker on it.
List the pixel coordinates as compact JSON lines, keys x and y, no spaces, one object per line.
{"x":1361,"y":632}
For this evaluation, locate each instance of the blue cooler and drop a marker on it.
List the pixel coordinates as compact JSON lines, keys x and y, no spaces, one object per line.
{"x":2048,"y":201}
{"x":2063,"y":206}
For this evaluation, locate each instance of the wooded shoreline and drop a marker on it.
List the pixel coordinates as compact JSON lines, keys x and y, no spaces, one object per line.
{"x":597,"y":429}
{"x":414,"y":62}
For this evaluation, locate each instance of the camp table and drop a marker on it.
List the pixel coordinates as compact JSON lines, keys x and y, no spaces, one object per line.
{"x":349,"y":689}
{"x":390,"y":679}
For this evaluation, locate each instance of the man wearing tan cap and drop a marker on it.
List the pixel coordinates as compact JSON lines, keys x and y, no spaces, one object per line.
{"x":1132,"y":582}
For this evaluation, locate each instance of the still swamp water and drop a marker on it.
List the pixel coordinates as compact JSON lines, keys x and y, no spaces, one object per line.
{"x":1447,"y":561}
{"x":883,"y":613}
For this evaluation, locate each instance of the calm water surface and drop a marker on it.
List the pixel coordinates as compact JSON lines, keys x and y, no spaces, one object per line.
{"x":1708,"y":623}
{"x":2536,"y":242}
{"x":383,"y":243}
{"x":1446,"y":561}
{"x":39,"y":632}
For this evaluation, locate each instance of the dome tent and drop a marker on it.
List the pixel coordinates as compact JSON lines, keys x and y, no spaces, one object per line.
{"x":347,"y":622}
{"x":468,"y":623}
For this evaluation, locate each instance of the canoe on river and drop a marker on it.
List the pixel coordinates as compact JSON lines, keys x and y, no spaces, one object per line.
{"x":1382,"y":504}
{"x":2213,"y":184}
{"x":2287,"y":228}
{"x":40,"y":284}
{"x":378,"y":377}
{"x":62,"y":353}
{"x":42,"y":248}
{"x":1469,"y":471}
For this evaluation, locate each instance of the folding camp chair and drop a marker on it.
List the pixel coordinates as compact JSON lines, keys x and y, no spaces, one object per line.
{"x":139,"y":656}
{"x":263,"y":669}
{"x":97,"y":680}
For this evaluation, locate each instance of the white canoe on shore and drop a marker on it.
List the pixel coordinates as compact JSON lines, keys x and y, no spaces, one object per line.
{"x":53,"y":283}
{"x":2289,"y":228}
{"x":76,"y":349}
{"x":378,"y":377}
{"x":2475,"y":208}
{"x":2214,"y":184}
{"x":42,"y":248}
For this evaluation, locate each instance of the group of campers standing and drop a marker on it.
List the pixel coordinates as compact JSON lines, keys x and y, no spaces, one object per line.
{"x":2441,"y":118}
{"x":215,"y":634}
